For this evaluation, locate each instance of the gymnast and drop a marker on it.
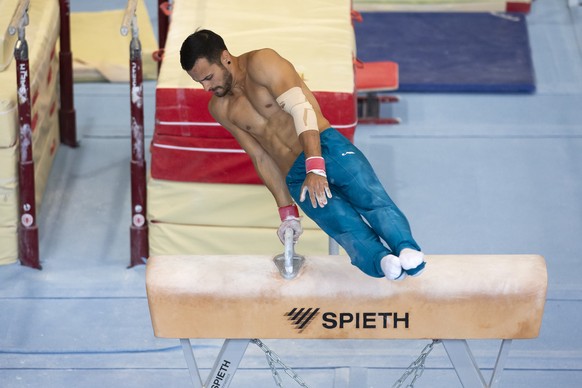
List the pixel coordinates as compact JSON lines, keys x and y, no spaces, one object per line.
{"x":263,"y":102}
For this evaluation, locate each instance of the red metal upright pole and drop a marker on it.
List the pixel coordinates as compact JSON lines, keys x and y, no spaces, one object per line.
{"x":27,"y":228}
{"x":139,"y":228}
{"x":67,"y":114}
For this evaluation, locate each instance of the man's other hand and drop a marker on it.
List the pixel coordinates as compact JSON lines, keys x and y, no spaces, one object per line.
{"x":318,"y":189}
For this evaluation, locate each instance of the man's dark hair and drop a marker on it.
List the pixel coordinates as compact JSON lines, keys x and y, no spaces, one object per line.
{"x":201,"y":44}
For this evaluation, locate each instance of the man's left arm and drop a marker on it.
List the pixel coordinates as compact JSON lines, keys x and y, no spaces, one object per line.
{"x":279,"y":76}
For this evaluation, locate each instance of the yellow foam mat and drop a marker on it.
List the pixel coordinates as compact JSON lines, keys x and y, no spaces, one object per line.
{"x":41,"y":36}
{"x":44,"y":151}
{"x":8,"y":201}
{"x":9,"y":244}
{"x":7,"y":8}
{"x":8,"y":156}
{"x":315,"y":35}
{"x":8,"y":123}
{"x":101,"y":53}
{"x":45,"y":143}
{"x":214,"y":204}
{"x":47,"y":90}
{"x":42,"y":85}
{"x":225,"y":218}
{"x":9,"y":192}
{"x":45,"y":147}
{"x":174,"y":239}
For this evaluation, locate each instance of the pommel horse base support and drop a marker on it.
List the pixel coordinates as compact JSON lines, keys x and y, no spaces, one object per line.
{"x":458,"y":297}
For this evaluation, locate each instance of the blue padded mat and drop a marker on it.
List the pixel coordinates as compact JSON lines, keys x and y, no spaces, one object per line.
{"x":450,"y":52}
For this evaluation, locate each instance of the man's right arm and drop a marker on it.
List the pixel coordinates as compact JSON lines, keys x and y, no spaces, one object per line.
{"x":270,"y":174}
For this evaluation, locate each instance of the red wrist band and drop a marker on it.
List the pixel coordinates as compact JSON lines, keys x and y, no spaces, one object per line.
{"x":316,"y":165}
{"x":289,"y":211}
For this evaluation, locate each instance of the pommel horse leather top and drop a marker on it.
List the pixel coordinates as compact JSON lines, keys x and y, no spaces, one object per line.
{"x":457,"y":297}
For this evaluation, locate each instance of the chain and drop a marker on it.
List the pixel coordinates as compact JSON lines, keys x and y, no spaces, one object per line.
{"x":416,"y":367}
{"x":273,"y":360}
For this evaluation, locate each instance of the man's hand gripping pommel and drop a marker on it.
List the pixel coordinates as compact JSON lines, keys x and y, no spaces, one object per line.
{"x":289,"y":219}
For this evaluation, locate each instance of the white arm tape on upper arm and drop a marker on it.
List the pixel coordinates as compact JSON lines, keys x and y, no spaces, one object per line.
{"x":294,"y":102}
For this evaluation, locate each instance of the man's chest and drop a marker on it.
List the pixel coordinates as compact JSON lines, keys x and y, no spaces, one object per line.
{"x":251,"y":106}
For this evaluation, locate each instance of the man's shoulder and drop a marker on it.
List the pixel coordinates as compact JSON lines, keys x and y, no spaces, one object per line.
{"x":261,"y":62}
{"x":263,"y":51}
{"x":217,"y":107}
{"x":262,"y":56}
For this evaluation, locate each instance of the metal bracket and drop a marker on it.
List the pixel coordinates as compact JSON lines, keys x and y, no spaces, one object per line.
{"x":369,"y":108}
{"x":19,"y":19}
{"x":128,"y":17}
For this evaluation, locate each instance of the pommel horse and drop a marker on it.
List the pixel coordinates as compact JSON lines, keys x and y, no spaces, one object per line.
{"x":458,"y":297}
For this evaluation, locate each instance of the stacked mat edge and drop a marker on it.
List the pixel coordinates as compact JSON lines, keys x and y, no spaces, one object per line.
{"x":212,"y":218}
{"x":42,"y":34}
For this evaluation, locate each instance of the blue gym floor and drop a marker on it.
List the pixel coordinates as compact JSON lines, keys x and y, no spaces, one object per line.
{"x":475,"y":173}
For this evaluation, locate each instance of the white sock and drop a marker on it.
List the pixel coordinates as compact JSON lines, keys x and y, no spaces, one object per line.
{"x":409,"y":258}
{"x":391,"y":267}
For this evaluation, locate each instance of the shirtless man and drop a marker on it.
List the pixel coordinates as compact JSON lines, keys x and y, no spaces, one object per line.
{"x":263,"y":102}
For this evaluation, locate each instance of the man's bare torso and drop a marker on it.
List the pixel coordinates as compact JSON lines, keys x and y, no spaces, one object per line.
{"x":254,"y":110}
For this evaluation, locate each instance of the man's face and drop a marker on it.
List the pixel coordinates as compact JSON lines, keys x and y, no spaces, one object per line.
{"x":214,"y":77}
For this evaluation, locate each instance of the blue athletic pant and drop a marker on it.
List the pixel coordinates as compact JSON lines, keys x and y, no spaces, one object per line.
{"x":357,"y":194}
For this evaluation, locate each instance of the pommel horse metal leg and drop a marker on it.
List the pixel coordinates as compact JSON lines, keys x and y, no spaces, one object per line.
{"x":224,"y":367}
{"x":333,"y":247}
{"x":233,"y":350}
{"x":466,"y":367}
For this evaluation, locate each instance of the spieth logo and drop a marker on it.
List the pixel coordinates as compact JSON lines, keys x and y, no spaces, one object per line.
{"x":301,"y":318}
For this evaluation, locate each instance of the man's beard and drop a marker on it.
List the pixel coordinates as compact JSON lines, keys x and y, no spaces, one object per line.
{"x":221,"y":91}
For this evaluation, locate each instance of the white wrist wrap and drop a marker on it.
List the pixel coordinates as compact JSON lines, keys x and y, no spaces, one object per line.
{"x":294,"y":102}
